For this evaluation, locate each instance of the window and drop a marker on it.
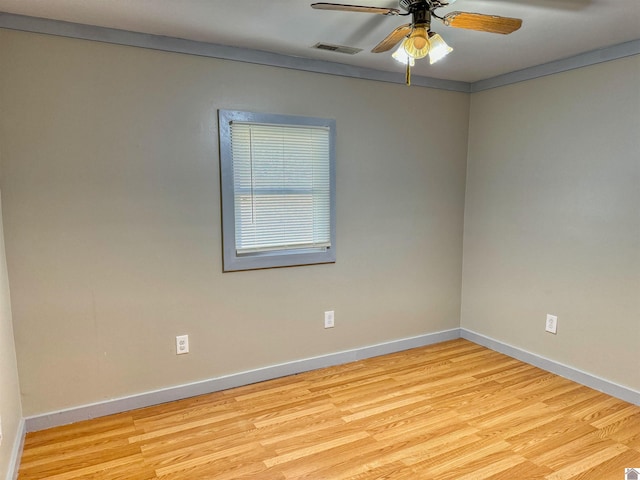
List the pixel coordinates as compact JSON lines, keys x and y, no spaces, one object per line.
{"x":278,"y":190}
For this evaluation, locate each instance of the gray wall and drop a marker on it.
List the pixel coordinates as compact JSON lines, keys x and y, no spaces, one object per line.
{"x":10,"y":405}
{"x":552,"y":218}
{"x":112,"y":219}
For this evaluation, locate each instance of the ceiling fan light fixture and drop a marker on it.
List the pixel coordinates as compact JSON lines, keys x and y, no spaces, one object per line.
{"x":417,"y":43}
{"x":439,"y":48}
{"x":415,"y":38}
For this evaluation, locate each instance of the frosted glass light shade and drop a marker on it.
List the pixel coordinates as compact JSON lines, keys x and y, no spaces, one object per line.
{"x":439,"y":48}
{"x":400,"y":55}
{"x":417,"y":43}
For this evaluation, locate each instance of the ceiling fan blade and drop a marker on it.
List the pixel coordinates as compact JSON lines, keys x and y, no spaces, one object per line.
{"x":355,"y":8}
{"x":393,"y":38}
{"x":482,"y":23}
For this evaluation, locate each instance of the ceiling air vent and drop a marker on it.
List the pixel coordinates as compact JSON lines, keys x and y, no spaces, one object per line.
{"x":337,"y":48}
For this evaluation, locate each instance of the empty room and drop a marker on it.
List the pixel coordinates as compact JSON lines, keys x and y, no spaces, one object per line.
{"x":276,"y":240}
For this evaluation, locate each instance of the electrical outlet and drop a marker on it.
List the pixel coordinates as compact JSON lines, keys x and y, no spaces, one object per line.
{"x":329,"y":319}
{"x":552,"y":324}
{"x":182,"y":344}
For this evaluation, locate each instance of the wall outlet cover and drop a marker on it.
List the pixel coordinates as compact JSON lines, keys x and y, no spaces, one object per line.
{"x":182,"y":344}
{"x":329,"y":319}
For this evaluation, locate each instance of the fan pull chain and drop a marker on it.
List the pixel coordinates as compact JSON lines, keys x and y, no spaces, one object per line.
{"x":408,"y":75}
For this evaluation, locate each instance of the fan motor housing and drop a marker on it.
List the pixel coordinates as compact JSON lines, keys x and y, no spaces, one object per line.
{"x":420,"y":10}
{"x":410,"y":5}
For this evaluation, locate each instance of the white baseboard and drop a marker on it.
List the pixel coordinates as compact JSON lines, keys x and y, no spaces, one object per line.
{"x":578,"y":376}
{"x":118,"y":405}
{"x":16,"y":452}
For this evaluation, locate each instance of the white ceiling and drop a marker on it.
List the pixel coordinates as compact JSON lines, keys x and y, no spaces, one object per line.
{"x":552,"y":29}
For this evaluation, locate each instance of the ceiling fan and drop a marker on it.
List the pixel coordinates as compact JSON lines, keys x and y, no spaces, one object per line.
{"x":417,"y":39}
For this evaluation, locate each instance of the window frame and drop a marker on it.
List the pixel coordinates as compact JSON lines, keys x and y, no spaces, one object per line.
{"x":279,"y":258}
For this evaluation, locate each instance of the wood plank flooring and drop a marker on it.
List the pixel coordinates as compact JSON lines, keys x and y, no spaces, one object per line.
{"x":455,"y":410}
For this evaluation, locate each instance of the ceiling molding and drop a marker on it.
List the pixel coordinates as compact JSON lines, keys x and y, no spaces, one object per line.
{"x":594,"y":57}
{"x":178,"y":45}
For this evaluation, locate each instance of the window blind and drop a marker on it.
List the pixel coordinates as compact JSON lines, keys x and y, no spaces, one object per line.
{"x":281,"y":178}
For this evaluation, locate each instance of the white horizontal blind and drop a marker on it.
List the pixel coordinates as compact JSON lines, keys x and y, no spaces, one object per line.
{"x":281,"y":180}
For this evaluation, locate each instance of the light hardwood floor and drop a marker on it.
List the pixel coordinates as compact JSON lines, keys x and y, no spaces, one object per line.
{"x":455,"y":410}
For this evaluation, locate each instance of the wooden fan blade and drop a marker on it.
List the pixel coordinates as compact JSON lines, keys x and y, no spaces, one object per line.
{"x":355,"y":8}
{"x":482,"y":23}
{"x":393,"y":38}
